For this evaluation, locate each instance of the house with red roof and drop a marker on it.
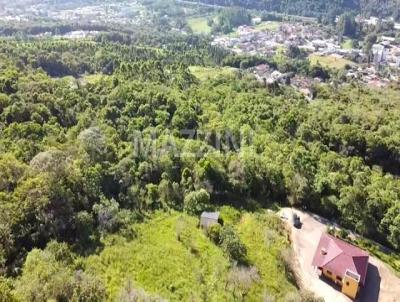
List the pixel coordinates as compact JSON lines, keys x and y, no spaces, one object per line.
{"x":343,"y":263}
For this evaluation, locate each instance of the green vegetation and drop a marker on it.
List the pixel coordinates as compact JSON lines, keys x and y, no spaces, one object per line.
{"x":230,"y":18}
{"x":171,"y":257}
{"x":316,"y":8}
{"x":111,"y":147}
{"x":94,"y":79}
{"x":268,"y":26}
{"x":346,"y":26}
{"x":265,"y":245}
{"x":329,"y":61}
{"x":390,"y":257}
{"x":208,"y":73}
{"x":54,"y":274}
{"x":347,"y":44}
{"x":199,"y":25}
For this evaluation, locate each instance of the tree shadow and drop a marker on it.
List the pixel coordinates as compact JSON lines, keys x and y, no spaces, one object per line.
{"x":370,"y":292}
{"x":321,"y":219}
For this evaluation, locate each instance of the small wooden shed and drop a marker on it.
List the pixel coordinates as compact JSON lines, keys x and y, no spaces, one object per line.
{"x":208,"y":219}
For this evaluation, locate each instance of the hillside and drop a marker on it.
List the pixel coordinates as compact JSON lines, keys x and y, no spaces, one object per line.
{"x":192,"y":267}
{"x":112,"y":145}
{"x":315,"y":8}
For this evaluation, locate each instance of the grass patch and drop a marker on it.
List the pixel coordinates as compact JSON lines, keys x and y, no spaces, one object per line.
{"x":172,"y":258}
{"x":159,"y":263}
{"x":347,"y":44}
{"x":95,"y":79}
{"x":208,"y":73}
{"x":199,"y":25}
{"x":268,"y":26}
{"x":265,"y":239}
{"x":329,"y":61}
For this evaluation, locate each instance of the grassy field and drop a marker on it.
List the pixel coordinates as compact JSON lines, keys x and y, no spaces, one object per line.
{"x":265,"y":239}
{"x":95,"y":78}
{"x":199,"y":25}
{"x":329,"y":61}
{"x":268,"y":26}
{"x":347,"y":44}
{"x":173,"y":259}
{"x":207,"y":73}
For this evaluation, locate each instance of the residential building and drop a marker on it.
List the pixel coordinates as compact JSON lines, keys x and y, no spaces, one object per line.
{"x":344,"y":264}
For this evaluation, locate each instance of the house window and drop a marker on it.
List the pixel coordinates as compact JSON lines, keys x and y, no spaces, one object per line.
{"x":347,"y":283}
{"x":339,"y":278}
{"x":329,"y":272}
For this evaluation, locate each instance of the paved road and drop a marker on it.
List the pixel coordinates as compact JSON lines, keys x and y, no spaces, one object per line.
{"x":381,"y":284}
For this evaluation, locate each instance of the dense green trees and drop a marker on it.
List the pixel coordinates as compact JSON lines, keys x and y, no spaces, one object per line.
{"x":346,"y":26}
{"x":297,"y":7}
{"x":369,"y":41}
{"x":196,"y":202}
{"x":50,"y":275}
{"x":316,"y":8}
{"x":230,"y":18}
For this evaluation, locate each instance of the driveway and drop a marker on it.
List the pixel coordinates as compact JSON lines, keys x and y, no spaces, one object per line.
{"x":381,"y":284}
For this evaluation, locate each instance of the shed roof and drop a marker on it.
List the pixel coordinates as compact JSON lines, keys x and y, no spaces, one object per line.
{"x":339,"y":256}
{"x":210,"y":215}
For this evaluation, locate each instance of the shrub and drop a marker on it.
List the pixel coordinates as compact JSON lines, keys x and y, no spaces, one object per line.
{"x":343,"y":233}
{"x":307,"y":296}
{"x":44,"y":278}
{"x":241,"y":278}
{"x":196,"y":202}
{"x":232,"y":245}
{"x":288,"y":260}
{"x":186,"y":235}
{"x":87,"y":288}
{"x":6,"y":291}
{"x":229,"y":215}
{"x":107,"y":215}
{"x":214,"y":233}
{"x":302,"y":296}
{"x":131,"y":294}
{"x":330,"y":230}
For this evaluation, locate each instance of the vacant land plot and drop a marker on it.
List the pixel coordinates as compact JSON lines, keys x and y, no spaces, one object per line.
{"x":347,"y":44}
{"x":268,"y":26}
{"x":207,"y":73}
{"x":330,"y":61}
{"x":199,"y":25}
{"x":95,"y":78}
{"x":172,"y":258}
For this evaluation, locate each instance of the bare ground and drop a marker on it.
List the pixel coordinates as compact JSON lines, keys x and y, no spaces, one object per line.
{"x":382,"y":284}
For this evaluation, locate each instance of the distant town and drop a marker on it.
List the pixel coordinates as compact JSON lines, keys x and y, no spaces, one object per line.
{"x":125,"y":12}
{"x":319,"y":43}
{"x":267,"y":38}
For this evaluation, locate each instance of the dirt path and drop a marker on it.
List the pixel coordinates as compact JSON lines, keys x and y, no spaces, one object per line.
{"x":381,"y":285}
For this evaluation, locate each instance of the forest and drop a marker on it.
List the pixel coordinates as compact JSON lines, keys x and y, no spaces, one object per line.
{"x":316,"y":8}
{"x":113,"y":145}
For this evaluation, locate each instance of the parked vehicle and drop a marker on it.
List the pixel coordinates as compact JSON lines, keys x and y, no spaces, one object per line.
{"x":296,"y":221}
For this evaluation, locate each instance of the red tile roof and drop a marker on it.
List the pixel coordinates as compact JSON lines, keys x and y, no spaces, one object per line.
{"x":338,"y":256}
